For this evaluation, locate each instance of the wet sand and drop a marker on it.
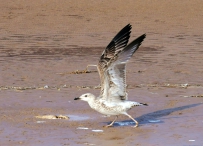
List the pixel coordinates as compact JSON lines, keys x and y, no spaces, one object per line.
{"x":42,"y":44}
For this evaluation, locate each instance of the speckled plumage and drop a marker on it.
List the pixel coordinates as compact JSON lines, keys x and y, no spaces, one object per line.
{"x":107,"y":108}
{"x":112,"y":71}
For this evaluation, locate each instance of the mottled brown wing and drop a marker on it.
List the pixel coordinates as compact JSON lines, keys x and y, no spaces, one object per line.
{"x":117,"y":44}
{"x":114,"y":73}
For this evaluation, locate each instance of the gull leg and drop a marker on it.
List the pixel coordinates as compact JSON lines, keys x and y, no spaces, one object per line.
{"x":136,"y":122}
{"x":111,"y":122}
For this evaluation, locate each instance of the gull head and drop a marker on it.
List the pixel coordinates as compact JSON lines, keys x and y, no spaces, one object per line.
{"x":86,"y":97}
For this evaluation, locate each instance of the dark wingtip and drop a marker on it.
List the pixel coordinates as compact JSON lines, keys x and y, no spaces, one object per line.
{"x":77,"y":98}
{"x":128,"y":25}
{"x":141,"y":38}
{"x":144,"y":104}
{"x":120,"y":40}
{"x":135,"y":44}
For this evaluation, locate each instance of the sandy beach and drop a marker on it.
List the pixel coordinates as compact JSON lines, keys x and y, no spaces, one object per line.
{"x":45,"y":47}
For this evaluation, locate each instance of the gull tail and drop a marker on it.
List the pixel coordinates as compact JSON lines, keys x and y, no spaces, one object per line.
{"x":139,"y":104}
{"x":144,"y":104}
{"x":131,"y":104}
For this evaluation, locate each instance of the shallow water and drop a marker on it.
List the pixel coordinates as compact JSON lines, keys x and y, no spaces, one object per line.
{"x":78,"y":117}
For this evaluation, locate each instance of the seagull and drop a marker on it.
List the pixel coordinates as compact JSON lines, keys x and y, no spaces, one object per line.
{"x":113,"y":99}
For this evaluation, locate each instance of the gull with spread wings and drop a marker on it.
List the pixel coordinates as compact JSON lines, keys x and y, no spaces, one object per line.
{"x":113,"y":99}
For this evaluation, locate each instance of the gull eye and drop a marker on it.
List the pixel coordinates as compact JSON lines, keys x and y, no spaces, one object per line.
{"x":85,"y":95}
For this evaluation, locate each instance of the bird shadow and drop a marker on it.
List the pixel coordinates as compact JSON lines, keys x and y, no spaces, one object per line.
{"x":153,"y":116}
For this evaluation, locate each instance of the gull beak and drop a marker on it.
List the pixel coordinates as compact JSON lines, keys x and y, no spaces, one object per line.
{"x":77,"y":98}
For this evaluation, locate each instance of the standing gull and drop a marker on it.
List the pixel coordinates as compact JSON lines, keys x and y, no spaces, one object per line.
{"x":112,"y":71}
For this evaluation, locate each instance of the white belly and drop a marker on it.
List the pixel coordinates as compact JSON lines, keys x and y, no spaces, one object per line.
{"x":111,"y":109}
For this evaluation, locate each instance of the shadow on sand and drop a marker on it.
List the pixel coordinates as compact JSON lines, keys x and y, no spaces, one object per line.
{"x":145,"y":119}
